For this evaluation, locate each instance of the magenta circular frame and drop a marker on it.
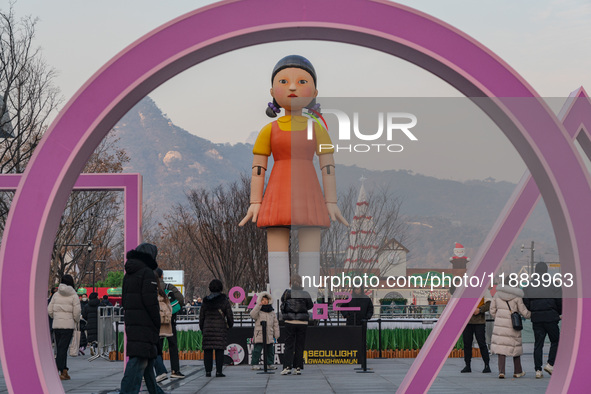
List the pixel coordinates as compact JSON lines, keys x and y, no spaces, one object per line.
{"x":190,"y":39}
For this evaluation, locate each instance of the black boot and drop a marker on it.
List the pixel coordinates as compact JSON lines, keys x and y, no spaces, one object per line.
{"x":466,"y":369}
{"x":486,"y":369}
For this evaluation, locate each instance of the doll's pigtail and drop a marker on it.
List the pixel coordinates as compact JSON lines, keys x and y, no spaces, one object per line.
{"x":314,"y":108}
{"x":273,"y":109}
{"x":315,"y":112}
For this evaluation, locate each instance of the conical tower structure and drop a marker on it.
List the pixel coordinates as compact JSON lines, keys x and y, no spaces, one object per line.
{"x":363,"y":243}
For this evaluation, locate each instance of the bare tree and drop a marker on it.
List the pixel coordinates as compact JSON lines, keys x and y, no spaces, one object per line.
{"x":177,"y":252}
{"x":377,"y":232}
{"x":335,"y":239}
{"x":235,"y":255}
{"x":28,"y":96}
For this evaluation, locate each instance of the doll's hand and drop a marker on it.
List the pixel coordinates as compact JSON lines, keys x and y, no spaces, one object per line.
{"x":335,"y":213}
{"x":253,"y":213}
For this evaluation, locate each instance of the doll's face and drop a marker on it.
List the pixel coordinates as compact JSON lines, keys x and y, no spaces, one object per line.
{"x":293,"y":88}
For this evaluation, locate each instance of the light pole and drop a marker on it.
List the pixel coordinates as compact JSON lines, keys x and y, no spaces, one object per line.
{"x":94,"y":269}
{"x":531,"y":258}
{"x":89,"y":250}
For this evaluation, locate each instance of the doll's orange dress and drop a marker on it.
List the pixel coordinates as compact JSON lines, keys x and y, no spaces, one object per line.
{"x":293,"y":196}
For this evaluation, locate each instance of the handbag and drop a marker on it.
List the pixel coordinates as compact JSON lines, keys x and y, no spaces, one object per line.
{"x":515,"y":319}
{"x":165,"y":310}
{"x":75,"y":344}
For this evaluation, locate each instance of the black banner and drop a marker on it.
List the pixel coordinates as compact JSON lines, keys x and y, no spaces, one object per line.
{"x":324,"y":345}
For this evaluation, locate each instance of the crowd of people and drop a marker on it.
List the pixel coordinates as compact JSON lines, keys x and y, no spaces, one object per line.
{"x":541,"y":304}
{"x":149,"y":318}
{"x":71,"y":315}
{"x":151,"y":308}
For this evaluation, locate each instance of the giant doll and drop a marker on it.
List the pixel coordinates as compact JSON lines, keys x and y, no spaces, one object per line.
{"x":293,"y":199}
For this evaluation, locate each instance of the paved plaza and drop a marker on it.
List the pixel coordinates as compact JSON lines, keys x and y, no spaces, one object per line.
{"x":104,"y":377}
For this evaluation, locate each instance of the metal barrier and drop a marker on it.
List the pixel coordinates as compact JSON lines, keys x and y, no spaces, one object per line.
{"x":106,"y":338}
{"x":409,"y":311}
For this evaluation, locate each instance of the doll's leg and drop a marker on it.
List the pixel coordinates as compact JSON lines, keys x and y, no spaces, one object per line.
{"x":278,"y":245}
{"x":309,"y":264}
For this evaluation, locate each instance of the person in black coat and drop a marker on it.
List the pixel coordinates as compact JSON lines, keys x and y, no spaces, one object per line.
{"x":545,"y":304}
{"x":215,"y":319}
{"x":90,"y":314}
{"x":83,"y":339}
{"x":361,"y":301}
{"x":142,"y":319}
{"x":295,"y":304}
{"x":105,"y":301}
{"x":83,"y":301}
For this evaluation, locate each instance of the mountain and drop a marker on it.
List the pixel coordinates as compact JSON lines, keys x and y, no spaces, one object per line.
{"x":173,"y":161}
{"x":438,"y":212}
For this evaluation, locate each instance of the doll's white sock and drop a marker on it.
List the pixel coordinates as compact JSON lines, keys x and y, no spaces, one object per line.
{"x":310,"y":267}
{"x":278,"y":274}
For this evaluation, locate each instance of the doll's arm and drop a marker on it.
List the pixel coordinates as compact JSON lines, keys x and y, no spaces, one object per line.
{"x":330,"y":187}
{"x":257,"y":185}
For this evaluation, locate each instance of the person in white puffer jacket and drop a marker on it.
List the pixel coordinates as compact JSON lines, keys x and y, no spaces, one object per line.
{"x":65,"y":311}
{"x":506,"y":342}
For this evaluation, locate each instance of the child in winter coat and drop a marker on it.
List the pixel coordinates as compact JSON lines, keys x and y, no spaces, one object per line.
{"x":263,"y":311}
{"x":506,"y":342}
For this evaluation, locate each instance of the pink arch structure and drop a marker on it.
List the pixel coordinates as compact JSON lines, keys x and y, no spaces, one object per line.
{"x":533,"y":129}
{"x":129,"y":184}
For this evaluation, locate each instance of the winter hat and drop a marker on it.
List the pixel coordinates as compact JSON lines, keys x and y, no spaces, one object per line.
{"x":147,"y":248}
{"x":93,"y":295}
{"x":459,"y":251}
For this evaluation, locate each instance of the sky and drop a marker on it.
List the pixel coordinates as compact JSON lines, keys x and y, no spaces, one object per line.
{"x":542,"y":40}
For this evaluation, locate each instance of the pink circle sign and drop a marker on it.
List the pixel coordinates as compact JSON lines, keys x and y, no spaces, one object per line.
{"x":423,"y":40}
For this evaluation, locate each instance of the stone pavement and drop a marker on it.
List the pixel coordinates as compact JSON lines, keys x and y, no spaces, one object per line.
{"x":104,"y":377}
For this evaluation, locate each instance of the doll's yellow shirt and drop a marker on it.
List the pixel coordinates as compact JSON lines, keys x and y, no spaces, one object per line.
{"x":262,"y":145}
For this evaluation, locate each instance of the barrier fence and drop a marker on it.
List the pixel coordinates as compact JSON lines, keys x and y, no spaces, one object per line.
{"x":108,"y":317}
{"x":385,"y":337}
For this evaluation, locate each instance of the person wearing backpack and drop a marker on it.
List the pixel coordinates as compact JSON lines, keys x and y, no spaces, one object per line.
{"x":177,"y":302}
